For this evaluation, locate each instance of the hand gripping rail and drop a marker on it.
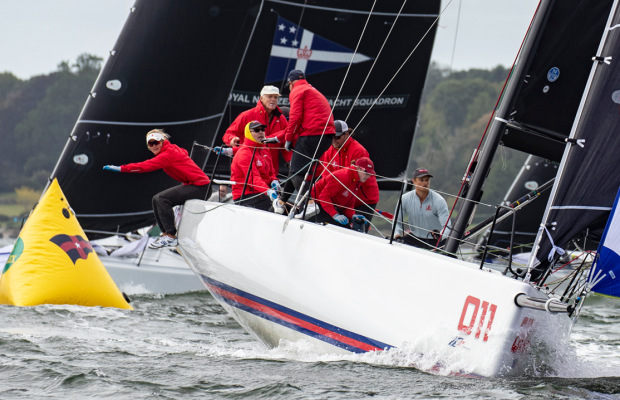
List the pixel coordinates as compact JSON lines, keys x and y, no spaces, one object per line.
{"x":552,"y":306}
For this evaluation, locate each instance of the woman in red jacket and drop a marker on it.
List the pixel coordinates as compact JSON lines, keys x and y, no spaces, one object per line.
{"x":253,"y":164}
{"x":176,"y":163}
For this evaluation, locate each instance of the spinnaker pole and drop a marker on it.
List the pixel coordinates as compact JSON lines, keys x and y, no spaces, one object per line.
{"x":501,"y":116}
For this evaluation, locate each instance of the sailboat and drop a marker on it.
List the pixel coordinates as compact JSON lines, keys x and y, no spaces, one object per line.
{"x":170,"y":68}
{"x":348,"y":292}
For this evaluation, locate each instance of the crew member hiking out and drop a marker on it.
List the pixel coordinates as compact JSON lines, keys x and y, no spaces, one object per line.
{"x":252,"y":163}
{"x":341,"y":154}
{"x":335,"y":193}
{"x":267,"y":113}
{"x":176,"y":163}
{"x":310,"y":129}
{"x":427,"y":213}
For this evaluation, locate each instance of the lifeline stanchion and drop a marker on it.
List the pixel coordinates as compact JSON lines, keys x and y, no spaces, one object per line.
{"x":217,"y":160}
{"x":313,"y":165}
{"x":247,"y":176}
{"x":398,"y":207}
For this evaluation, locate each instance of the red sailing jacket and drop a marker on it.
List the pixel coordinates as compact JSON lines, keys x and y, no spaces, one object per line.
{"x":350,"y":151}
{"x":329,"y":192}
{"x":261,"y":174}
{"x":309,"y":112}
{"x":278,"y":125}
{"x":175,"y":162}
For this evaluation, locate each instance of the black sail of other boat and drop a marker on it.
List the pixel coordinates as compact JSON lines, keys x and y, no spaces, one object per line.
{"x":543,"y":93}
{"x":171,"y":67}
{"x":320,"y":39}
{"x":588,"y":180}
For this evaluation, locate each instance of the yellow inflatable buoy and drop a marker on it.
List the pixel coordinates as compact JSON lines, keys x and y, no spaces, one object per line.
{"x":52,"y":261}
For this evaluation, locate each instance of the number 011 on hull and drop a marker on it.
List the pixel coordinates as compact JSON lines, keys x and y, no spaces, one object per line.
{"x":347,"y":292}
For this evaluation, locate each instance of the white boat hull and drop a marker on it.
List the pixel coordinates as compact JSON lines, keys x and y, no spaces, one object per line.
{"x":349,"y":292}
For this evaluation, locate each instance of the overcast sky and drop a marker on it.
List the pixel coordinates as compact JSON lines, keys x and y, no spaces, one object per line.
{"x":36,"y":35}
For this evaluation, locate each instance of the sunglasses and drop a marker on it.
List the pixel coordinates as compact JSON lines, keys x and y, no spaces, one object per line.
{"x":153,"y":143}
{"x":258,"y":130}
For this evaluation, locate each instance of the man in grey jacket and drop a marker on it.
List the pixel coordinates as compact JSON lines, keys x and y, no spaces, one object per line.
{"x":426,"y":211}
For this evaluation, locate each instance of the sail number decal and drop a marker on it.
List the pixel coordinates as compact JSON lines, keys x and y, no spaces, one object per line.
{"x":470,"y":314}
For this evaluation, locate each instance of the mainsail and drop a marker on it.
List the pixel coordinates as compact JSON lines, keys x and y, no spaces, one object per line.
{"x":588,"y":181}
{"x":173,"y":67}
{"x":320,"y":38}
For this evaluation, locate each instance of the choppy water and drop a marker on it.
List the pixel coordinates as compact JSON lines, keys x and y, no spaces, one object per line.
{"x":186,"y":346}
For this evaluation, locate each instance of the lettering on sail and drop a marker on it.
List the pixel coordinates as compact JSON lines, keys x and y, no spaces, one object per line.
{"x":469,"y":317}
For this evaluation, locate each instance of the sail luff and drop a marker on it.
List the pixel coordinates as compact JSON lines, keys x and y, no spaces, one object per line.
{"x":567,"y":151}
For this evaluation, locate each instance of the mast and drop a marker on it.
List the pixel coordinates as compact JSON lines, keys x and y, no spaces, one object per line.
{"x":485,"y":157}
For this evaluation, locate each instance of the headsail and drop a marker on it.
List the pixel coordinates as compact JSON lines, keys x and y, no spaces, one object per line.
{"x":607,"y":271}
{"x":173,"y":67}
{"x":588,"y":181}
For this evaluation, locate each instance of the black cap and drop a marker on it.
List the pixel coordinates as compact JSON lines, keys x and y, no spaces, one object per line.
{"x":256,"y":124}
{"x":420,"y":172}
{"x":295,"y":75}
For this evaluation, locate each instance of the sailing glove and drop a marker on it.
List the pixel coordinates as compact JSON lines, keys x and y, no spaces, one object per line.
{"x":275,"y":185}
{"x":226,"y":151}
{"x":271,"y":140}
{"x":288,"y":146}
{"x":272,"y":194}
{"x":112,"y":168}
{"x":360,"y":219}
{"x":342,"y":220}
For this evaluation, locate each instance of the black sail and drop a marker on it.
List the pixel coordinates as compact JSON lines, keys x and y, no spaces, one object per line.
{"x":536,"y":172}
{"x":173,"y":67}
{"x":545,"y":108}
{"x":588,"y":179}
{"x":387,"y":131}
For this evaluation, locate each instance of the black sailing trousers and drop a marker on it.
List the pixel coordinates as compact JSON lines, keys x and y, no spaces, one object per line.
{"x":163,"y":202}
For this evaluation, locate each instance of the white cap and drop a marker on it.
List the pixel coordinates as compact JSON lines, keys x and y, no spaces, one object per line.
{"x":270,"y":90}
{"x":155,"y":136}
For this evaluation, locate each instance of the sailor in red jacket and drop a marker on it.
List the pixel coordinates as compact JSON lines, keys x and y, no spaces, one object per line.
{"x":252,"y":164}
{"x":335,"y":193}
{"x":176,"y":163}
{"x":310,"y":127}
{"x":342,"y":153}
{"x":269,"y":114}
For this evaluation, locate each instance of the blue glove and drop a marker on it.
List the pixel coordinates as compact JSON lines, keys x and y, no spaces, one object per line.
{"x":271,"y":140}
{"x":226,"y":151}
{"x":272,"y":194}
{"x":288,"y":146}
{"x":360,"y":219}
{"x":112,"y":168}
{"x":342,"y":220}
{"x":275,"y":185}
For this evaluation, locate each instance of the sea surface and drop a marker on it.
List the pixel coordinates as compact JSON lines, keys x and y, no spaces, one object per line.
{"x":186,"y":346}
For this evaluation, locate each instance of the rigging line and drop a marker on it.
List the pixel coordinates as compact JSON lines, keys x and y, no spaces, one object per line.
{"x":288,"y":62}
{"x":345,"y":78}
{"x":189,"y":121}
{"x":581,"y":208}
{"x":404,"y":62}
{"x":288,"y":3}
{"x":456,"y":34}
{"x":499,"y":98}
{"x":374,"y":62}
{"x":232,"y":87}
